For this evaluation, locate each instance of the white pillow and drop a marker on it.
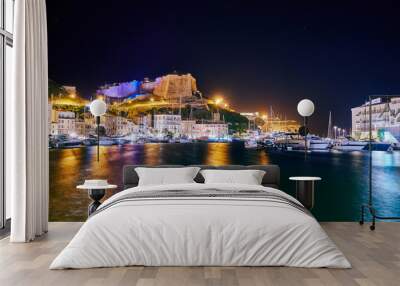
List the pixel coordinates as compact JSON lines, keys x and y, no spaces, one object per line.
{"x":166,"y":176}
{"x":248,"y":177}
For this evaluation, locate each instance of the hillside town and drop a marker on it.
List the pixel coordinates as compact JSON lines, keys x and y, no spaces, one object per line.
{"x":167,"y":109}
{"x":171,"y":109}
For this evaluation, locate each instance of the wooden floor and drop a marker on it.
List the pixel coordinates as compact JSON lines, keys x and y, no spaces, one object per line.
{"x":375,"y":257}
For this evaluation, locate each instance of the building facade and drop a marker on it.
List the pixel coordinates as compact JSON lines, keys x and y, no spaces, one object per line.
{"x":385,"y":117}
{"x":119,"y":126}
{"x":167,"y":123}
{"x":53,"y":128}
{"x":211,"y":130}
{"x":188,"y":129}
{"x":280,"y":125}
{"x":66,"y":123}
{"x":144,"y":123}
{"x":80,"y":127}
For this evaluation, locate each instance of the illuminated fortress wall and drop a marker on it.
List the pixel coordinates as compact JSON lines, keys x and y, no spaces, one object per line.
{"x":120,"y":90}
{"x":171,"y":86}
{"x":174,"y":86}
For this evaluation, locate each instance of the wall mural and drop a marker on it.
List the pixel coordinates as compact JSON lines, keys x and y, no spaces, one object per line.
{"x":219,"y":83}
{"x":169,"y":121}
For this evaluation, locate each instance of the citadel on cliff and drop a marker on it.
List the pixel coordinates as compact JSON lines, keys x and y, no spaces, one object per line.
{"x":172,"y":88}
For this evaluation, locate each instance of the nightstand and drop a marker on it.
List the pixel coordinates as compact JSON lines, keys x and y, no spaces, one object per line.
{"x":305,"y":190}
{"x":96,"y":190}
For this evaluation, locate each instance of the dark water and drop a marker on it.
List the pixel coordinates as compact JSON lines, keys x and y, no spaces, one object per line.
{"x":338,"y":196}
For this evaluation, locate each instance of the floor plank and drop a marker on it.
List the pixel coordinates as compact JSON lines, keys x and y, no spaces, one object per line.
{"x":375,"y":257}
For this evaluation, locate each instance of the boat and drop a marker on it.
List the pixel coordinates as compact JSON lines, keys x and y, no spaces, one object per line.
{"x":251,"y":144}
{"x":184,"y":140}
{"x":378,"y":146}
{"x":71,"y":143}
{"x":319,"y":145}
{"x":290,"y":141}
{"x":141,"y":141}
{"x":121,"y":141}
{"x":174,"y":140}
{"x":316,"y":143}
{"x":107,"y":142}
{"x":268,"y":143}
{"x":89,"y":141}
{"x":350,"y":145}
{"x":395,"y":146}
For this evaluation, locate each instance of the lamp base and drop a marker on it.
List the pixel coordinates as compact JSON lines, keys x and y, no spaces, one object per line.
{"x":372,"y":211}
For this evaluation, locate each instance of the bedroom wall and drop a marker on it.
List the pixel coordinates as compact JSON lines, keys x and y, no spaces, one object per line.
{"x":338,"y":196}
{"x":191,"y":86}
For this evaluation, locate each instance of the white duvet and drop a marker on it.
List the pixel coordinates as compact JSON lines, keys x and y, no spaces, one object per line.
{"x":193,"y":231}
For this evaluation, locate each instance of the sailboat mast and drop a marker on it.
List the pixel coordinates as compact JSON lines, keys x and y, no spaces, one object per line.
{"x":330,"y":125}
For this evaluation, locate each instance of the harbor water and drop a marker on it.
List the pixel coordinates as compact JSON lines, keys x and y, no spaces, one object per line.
{"x":344,"y":185}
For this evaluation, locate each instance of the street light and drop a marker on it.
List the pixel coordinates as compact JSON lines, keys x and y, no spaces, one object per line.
{"x":305,"y":108}
{"x":98,"y":108}
{"x":334,"y":128}
{"x":218,"y":100}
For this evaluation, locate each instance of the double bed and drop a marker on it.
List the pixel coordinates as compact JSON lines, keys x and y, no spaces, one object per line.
{"x":201,"y":224}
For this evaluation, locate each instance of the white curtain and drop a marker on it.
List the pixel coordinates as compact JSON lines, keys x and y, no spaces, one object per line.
{"x":27,"y":124}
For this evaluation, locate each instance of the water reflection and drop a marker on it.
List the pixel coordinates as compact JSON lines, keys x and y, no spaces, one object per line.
{"x":152,"y":153}
{"x":263,"y":158}
{"x":343,"y":187}
{"x":218,"y":154}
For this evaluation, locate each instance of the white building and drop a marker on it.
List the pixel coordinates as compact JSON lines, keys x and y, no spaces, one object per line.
{"x":49,"y":112}
{"x":144,"y":124}
{"x":164,"y":123}
{"x":131,"y":127}
{"x":66,"y":123}
{"x":53,"y":128}
{"x":385,"y":119}
{"x":119,"y":126}
{"x":188,"y":128}
{"x":80,"y":127}
{"x":211,"y":130}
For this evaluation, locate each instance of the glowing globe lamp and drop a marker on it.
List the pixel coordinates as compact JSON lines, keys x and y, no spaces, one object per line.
{"x":305,"y":107}
{"x":98,"y":108}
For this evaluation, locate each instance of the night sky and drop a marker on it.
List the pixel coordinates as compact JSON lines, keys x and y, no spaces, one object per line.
{"x":255,"y":53}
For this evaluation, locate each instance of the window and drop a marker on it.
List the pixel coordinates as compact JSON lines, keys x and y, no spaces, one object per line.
{"x":6,"y":61}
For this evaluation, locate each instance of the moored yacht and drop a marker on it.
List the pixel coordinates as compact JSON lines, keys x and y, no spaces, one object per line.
{"x":107,"y":142}
{"x":251,"y":144}
{"x":290,"y":142}
{"x":70,"y":143}
{"x":350,"y":145}
{"x":295,"y":142}
{"x":316,"y":143}
{"x":89,"y":141}
{"x":378,"y":146}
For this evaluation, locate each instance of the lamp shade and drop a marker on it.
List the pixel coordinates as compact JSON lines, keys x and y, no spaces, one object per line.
{"x":98,"y":107}
{"x":305,"y":107}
